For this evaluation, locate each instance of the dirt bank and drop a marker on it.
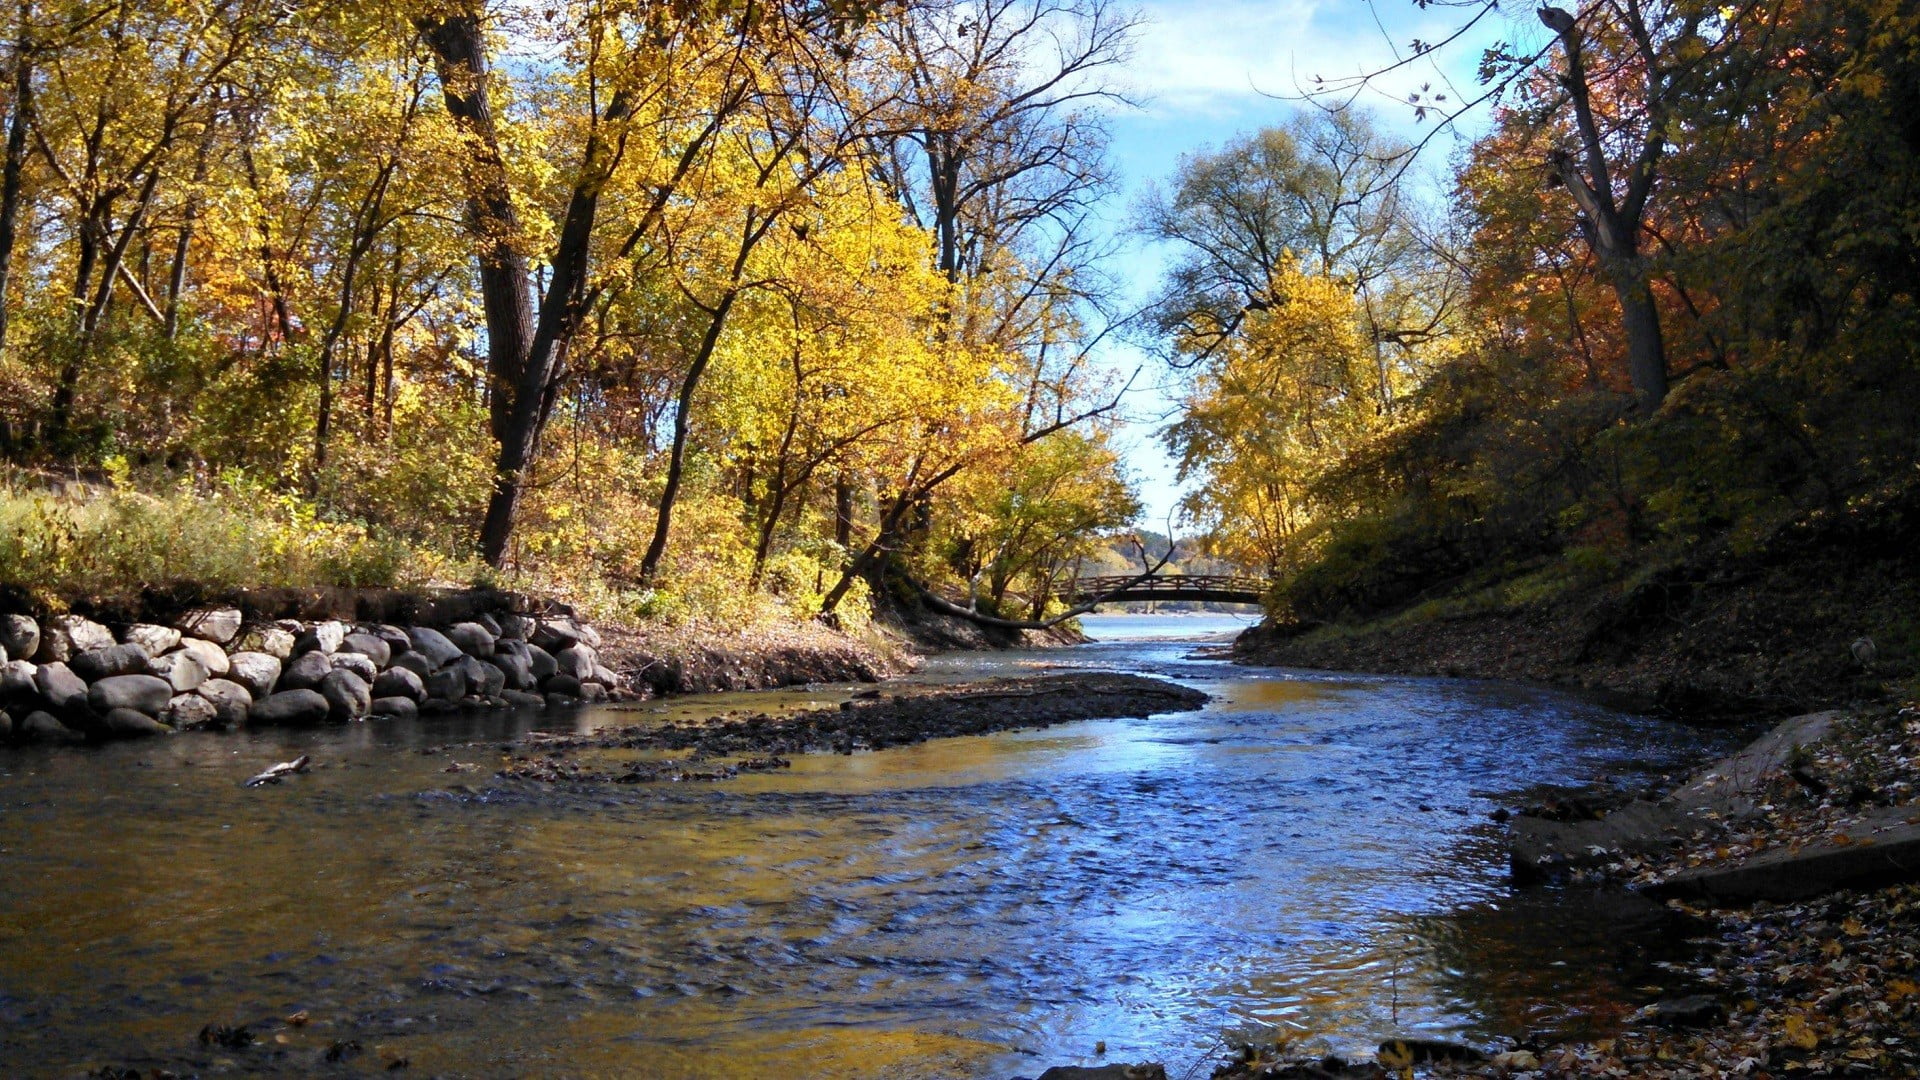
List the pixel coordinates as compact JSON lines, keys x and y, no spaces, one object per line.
{"x":1763,"y":635}
{"x":721,"y":746}
{"x":694,"y":659}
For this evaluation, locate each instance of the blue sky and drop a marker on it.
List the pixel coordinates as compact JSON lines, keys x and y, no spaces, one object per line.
{"x":1206,"y":70}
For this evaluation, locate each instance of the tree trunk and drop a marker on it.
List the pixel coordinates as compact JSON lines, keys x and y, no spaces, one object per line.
{"x":16,"y":160}
{"x":525,"y":360}
{"x":682,"y":425}
{"x":1612,"y":224}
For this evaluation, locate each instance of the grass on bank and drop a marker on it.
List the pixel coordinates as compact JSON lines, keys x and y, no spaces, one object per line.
{"x":110,"y":539}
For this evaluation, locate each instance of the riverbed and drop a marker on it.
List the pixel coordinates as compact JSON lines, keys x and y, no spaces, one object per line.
{"x":1308,"y":855}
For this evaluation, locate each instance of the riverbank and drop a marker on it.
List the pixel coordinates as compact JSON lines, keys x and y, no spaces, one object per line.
{"x":1794,"y":976}
{"x":279,"y":657}
{"x":1820,"y":616}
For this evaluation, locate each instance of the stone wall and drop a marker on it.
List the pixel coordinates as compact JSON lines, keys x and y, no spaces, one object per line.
{"x":67,"y":678}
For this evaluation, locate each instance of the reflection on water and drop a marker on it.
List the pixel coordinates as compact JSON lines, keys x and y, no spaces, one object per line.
{"x":1310,"y":852}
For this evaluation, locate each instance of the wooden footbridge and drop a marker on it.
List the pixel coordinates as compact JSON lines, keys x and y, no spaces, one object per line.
{"x":1218,"y":588}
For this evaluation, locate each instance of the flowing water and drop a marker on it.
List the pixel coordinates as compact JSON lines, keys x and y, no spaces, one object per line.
{"x":1309,"y":854}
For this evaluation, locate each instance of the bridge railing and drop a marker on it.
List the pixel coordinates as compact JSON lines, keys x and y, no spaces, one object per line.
{"x":1082,"y":589}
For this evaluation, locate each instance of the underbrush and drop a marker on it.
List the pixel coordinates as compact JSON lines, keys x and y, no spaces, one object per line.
{"x":114,"y":537}
{"x":74,"y":541}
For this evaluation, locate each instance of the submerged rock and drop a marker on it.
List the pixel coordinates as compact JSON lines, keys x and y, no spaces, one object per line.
{"x":43,"y":727}
{"x":133,"y":723}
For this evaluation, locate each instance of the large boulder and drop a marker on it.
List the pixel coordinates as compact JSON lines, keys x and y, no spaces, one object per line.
{"x":231,"y":701}
{"x":416,"y":663}
{"x":473,"y":639}
{"x":373,"y":648}
{"x":305,"y":671}
{"x":577,"y":661}
{"x":483,"y":679}
{"x":395,"y":638}
{"x":189,"y":712}
{"x":434,"y":646}
{"x":400,"y":708}
{"x":516,"y":666}
{"x":96,"y":664}
{"x":290,"y":707}
{"x":61,"y":688}
{"x":255,"y":671}
{"x":271,"y":640}
{"x":211,"y":656}
{"x":605,"y":676}
{"x":400,"y":682}
{"x":447,"y":684}
{"x":140,"y":693}
{"x":488,"y":623}
{"x":219,"y":625}
{"x":182,"y":670}
{"x":154,"y":639}
{"x":544,"y":665}
{"x":64,"y":636}
{"x":520,"y":699}
{"x":20,"y":636}
{"x":42,"y":727}
{"x":562,"y":684}
{"x":555,"y":634}
{"x":326,"y":637}
{"x":347,"y":695}
{"x":16,"y":681}
{"x":357,"y":663}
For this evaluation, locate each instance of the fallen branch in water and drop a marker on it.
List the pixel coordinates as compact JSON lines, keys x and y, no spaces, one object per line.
{"x":279,"y":772}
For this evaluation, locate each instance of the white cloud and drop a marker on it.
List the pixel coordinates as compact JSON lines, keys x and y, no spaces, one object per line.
{"x":1219,"y":56}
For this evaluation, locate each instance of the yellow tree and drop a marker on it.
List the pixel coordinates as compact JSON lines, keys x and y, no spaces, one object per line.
{"x":1282,"y":400}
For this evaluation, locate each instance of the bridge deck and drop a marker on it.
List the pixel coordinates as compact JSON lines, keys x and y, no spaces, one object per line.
{"x":1217,"y":588}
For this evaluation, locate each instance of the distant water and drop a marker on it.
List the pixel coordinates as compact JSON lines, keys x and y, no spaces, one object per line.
{"x":1310,"y":854}
{"x":1202,"y":626}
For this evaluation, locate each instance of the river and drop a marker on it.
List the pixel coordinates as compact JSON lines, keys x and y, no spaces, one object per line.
{"x":1308,"y":855}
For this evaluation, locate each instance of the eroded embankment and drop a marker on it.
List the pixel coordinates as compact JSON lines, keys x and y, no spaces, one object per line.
{"x":1819,"y":616}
